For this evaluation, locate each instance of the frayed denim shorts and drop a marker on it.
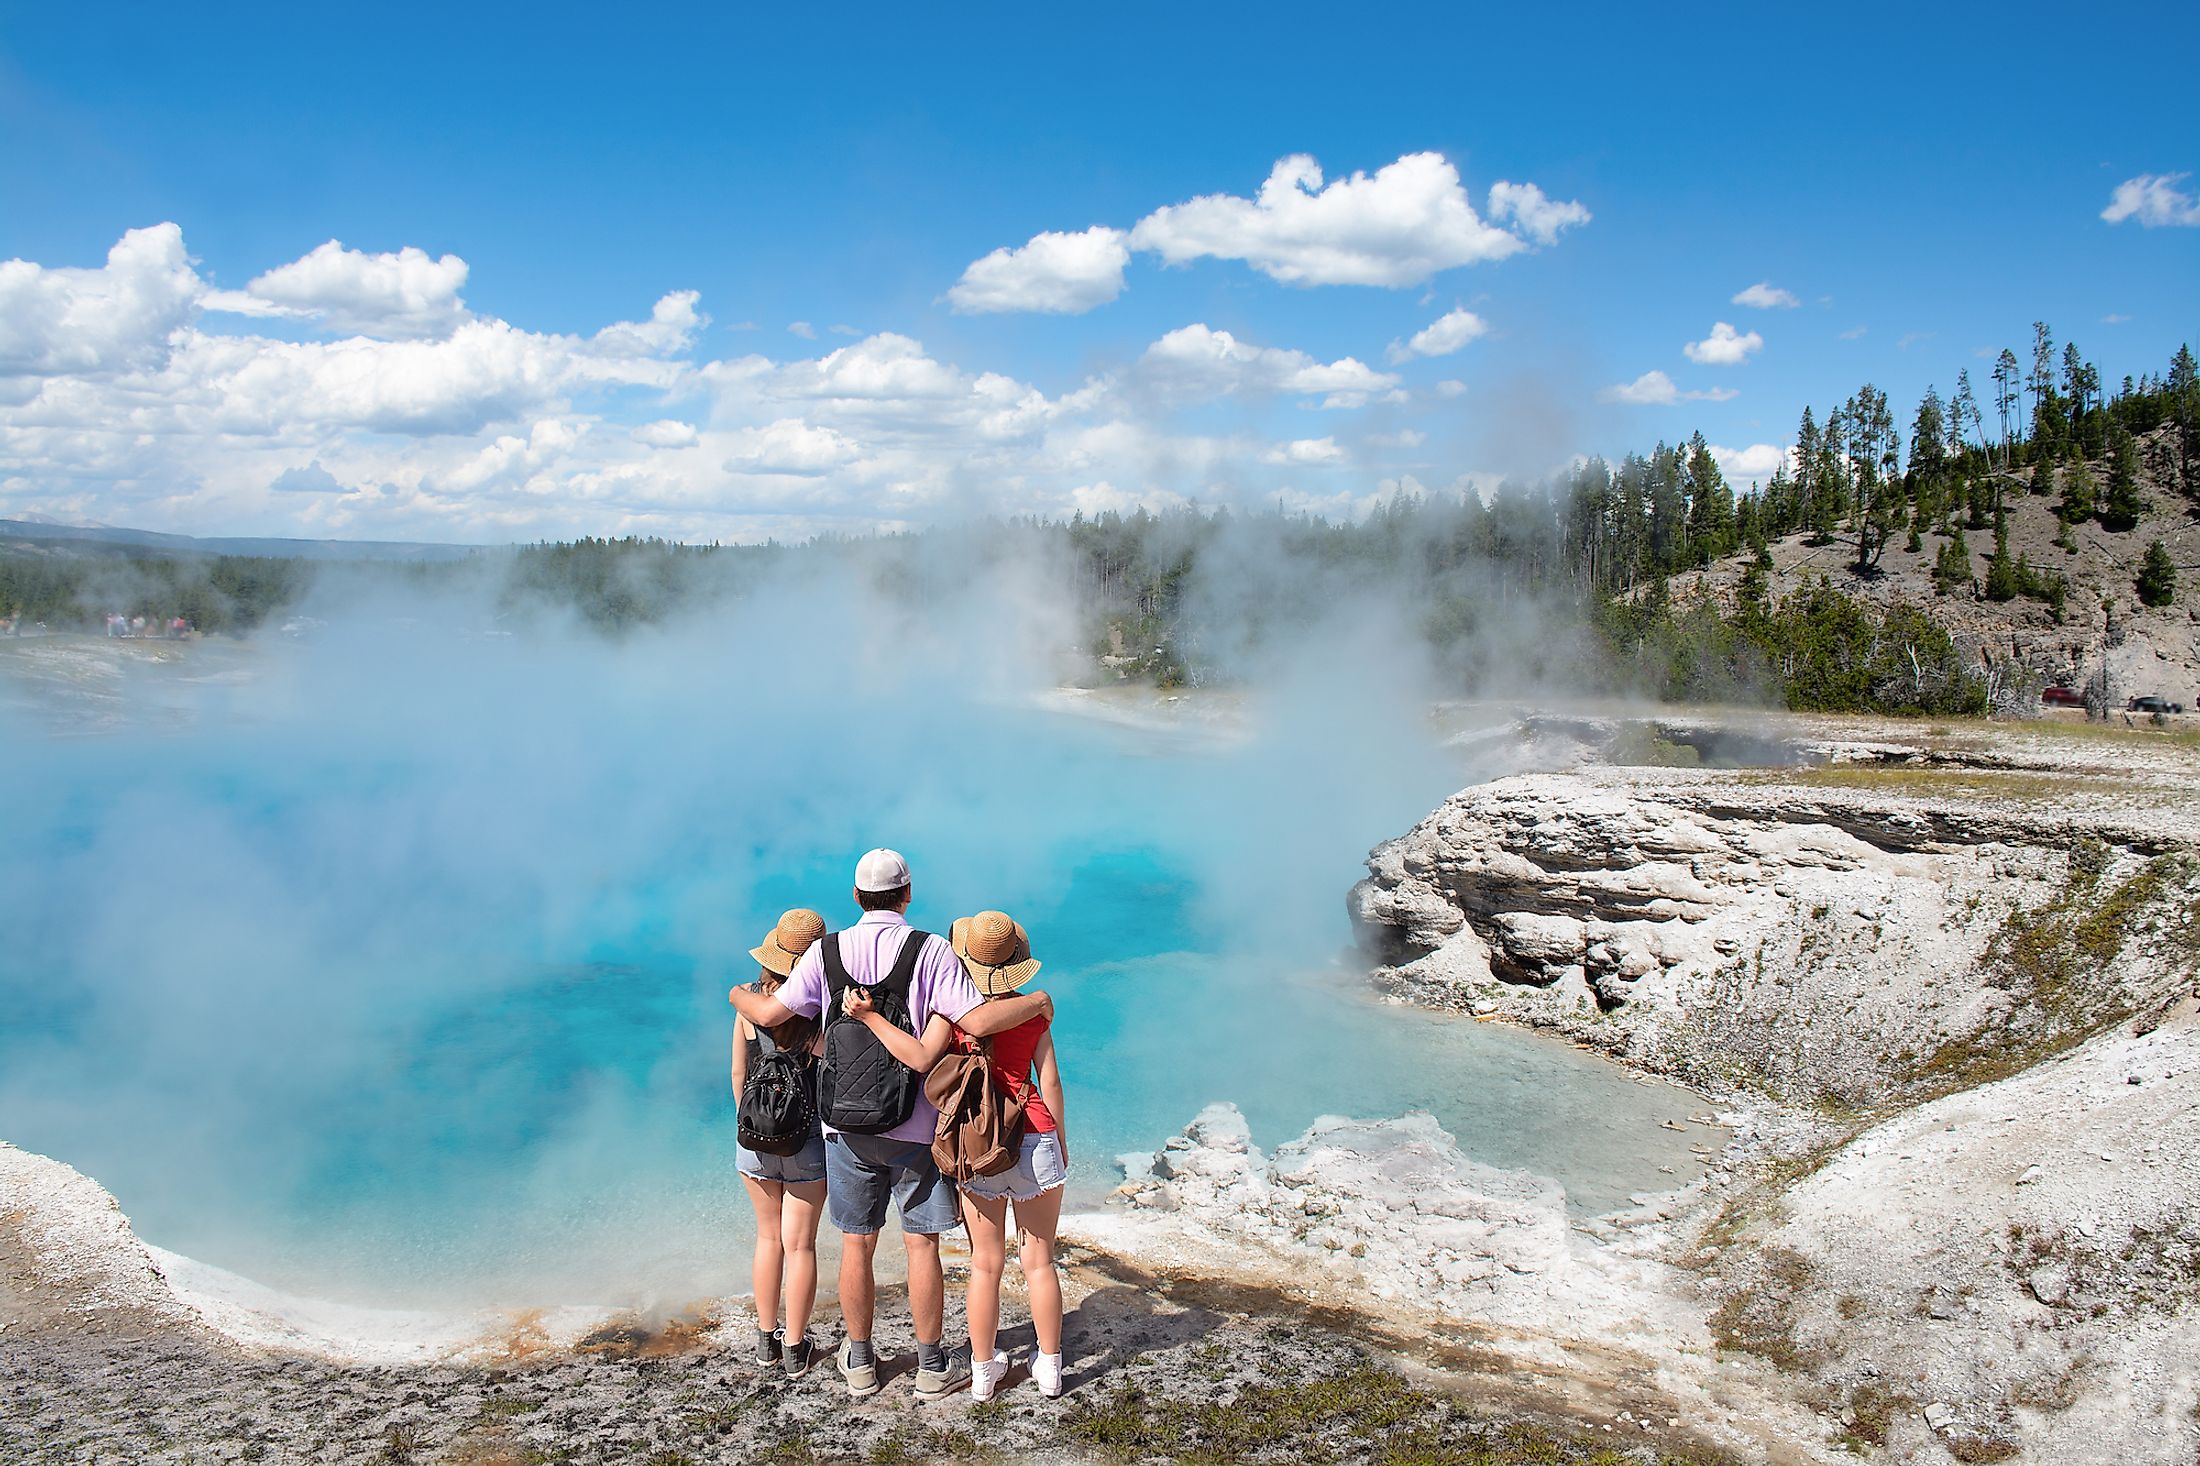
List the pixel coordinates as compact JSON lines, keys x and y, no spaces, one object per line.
{"x":1038,"y":1170}
{"x":801,"y":1168}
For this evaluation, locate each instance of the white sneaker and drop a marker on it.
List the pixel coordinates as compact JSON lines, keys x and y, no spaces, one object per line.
{"x":986,"y":1376}
{"x":1046,"y":1373}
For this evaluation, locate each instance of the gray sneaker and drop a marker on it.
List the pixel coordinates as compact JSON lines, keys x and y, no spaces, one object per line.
{"x":939,"y":1384}
{"x":862,"y":1378}
{"x":798,"y":1354}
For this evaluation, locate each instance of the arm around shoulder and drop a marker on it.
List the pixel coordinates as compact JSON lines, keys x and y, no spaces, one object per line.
{"x":1002,"y":1014}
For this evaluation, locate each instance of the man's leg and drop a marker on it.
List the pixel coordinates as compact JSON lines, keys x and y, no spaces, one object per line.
{"x":855,"y":1198}
{"x":858,"y":1287}
{"x":929,"y":1206}
{"x":927,"y":1289}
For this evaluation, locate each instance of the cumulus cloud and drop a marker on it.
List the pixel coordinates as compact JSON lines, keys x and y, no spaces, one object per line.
{"x":119,"y":404}
{"x":78,"y":321}
{"x":1065,"y":274}
{"x":1305,"y":451}
{"x":1755,"y":464}
{"x":394,"y":296}
{"x":1656,"y":389}
{"x":1395,"y":227}
{"x":666,"y":433}
{"x":1441,"y":337}
{"x":1723,"y":347}
{"x":1196,"y":362}
{"x":1538,"y":218}
{"x":1766,"y":296}
{"x":2156,"y":201}
{"x":673,"y":324}
{"x":790,"y":446}
{"x":309,"y":478}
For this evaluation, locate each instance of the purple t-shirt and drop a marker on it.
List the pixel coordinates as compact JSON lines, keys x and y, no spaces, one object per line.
{"x":868,"y":950}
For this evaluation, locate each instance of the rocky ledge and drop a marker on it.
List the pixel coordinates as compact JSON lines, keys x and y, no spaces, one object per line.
{"x":1837,"y":934}
{"x":1948,"y":984}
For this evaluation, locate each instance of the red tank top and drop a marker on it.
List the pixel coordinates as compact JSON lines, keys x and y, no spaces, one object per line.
{"x":1012,"y":1055}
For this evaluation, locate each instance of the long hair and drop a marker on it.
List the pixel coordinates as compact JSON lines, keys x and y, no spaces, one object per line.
{"x":797,"y":1033}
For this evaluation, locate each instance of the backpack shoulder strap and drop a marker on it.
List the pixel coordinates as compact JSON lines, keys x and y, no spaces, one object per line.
{"x":905,"y":963}
{"x":836,"y":975}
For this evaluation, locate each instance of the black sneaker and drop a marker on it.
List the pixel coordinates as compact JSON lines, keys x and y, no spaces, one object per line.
{"x":767,"y":1349}
{"x":798,"y":1357}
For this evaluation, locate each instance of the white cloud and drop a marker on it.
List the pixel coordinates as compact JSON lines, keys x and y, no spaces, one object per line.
{"x":1450,"y":388}
{"x":309,"y":478}
{"x":1656,"y":389}
{"x":1403,"y":438}
{"x":126,"y":404}
{"x":666,"y":433}
{"x":2155,"y":200}
{"x":1441,"y":337}
{"x":1066,"y":274}
{"x":121,"y":315}
{"x":790,"y":446}
{"x":1911,"y":338}
{"x":1305,"y":451}
{"x":1766,"y":296}
{"x":2114,"y":318}
{"x":406,"y":295}
{"x":1723,"y":347}
{"x":1396,"y":227}
{"x":1855,"y":333}
{"x":1651,"y":389}
{"x":1195,"y":363}
{"x":1539,"y":219}
{"x":673,"y":325}
{"x":803,"y":329}
{"x":1103,"y":497}
{"x":1755,"y":464}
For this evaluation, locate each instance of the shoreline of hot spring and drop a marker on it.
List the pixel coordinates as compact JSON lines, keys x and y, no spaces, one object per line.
{"x":1944,"y":983}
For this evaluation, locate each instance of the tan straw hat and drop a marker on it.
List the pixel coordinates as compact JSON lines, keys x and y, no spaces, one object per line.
{"x":789,"y":939}
{"x":994,"y":951}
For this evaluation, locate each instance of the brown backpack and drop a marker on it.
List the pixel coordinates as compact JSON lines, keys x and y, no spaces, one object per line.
{"x":980,"y":1131}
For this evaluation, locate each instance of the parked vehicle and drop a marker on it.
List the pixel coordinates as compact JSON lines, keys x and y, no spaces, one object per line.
{"x":2063,"y":697}
{"x":2153,"y":704}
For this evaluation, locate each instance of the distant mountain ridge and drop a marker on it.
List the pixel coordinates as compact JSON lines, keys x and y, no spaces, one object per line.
{"x":56,"y":534}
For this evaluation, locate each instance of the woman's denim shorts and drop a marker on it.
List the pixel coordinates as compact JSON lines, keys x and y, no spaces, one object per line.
{"x":804,"y":1166}
{"x":1037,"y":1171}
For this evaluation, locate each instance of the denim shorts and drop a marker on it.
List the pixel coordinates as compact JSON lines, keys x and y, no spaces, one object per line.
{"x":804,"y":1166}
{"x":863,"y":1171}
{"x":1037,"y":1171}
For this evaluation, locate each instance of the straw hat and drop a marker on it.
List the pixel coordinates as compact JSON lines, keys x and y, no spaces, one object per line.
{"x":789,"y":939}
{"x":994,"y":951}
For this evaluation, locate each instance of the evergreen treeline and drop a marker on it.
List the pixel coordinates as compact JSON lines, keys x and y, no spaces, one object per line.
{"x":1566,"y":580}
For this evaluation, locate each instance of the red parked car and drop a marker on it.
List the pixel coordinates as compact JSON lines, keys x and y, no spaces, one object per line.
{"x":2062,"y":697}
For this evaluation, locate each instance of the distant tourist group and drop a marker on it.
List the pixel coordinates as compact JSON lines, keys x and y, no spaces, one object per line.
{"x":884,"y":1065}
{"x":174,"y":629}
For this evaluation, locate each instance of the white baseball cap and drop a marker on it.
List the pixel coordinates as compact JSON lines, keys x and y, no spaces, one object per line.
{"x":882,"y":870}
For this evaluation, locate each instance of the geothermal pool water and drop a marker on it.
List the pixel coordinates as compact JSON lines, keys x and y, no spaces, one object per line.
{"x":394,"y":970}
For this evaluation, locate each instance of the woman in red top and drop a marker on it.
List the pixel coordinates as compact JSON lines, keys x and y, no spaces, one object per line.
{"x":997,"y":955}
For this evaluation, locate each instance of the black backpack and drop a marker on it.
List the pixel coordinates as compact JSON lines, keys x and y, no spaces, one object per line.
{"x":778,"y":1113}
{"x":862,"y":1088}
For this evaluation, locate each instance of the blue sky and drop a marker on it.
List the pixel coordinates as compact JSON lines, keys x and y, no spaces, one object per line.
{"x":1922,"y":187}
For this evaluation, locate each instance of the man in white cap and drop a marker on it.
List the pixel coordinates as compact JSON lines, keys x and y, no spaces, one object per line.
{"x":864,"y":1171}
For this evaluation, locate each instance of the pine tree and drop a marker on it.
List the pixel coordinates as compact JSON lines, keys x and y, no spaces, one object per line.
{"x":2001,"y":571}
{"x":2121,"y":506}
{"x":2157,"y":580}
{"x":1952,"y":567}
{"x":2005,"y":400}
{"x":2077,"y":495}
